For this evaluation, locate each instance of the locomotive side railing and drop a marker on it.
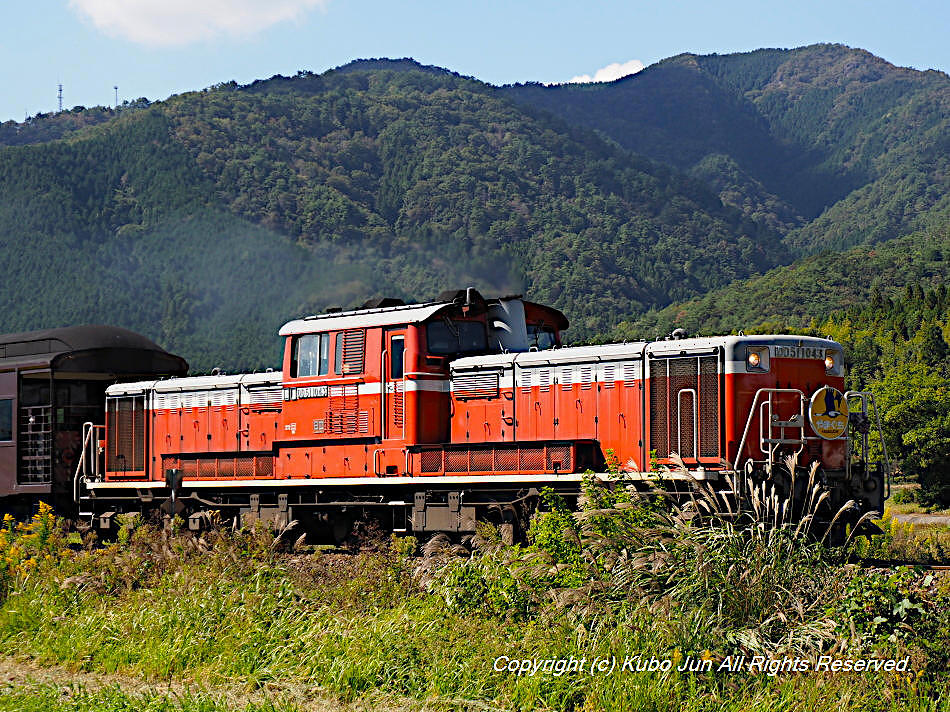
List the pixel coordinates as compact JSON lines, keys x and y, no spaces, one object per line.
{"x":766,"y":415}
{"x":866,"y":397}
{"x":88,"y":466}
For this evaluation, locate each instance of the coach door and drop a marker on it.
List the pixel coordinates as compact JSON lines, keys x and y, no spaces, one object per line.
{"x":684,"y":400}
{"x":394,"y":385}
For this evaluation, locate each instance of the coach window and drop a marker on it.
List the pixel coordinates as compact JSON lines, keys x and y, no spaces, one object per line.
{"x":311,"y":355}
{"x":6,"y":419}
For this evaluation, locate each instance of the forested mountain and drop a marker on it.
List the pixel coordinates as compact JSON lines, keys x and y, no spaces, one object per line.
{"x":832,"y":143}
{"x":216,"y":215}
{"x":812,"y":289}
{"x":208,"y":219}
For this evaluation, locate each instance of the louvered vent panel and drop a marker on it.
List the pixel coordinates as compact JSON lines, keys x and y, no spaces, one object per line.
{"x":544,"y":379}
{"x":264,"y":396}
{"x":586,"y":377}
{"x":225,"y":397}
{"x":526,"y":381}
{"x":470,"y":386}
{"x":629,"y":375}
{"x":398,"y":404}
{"x":354,"y":351}
{"x":566,"y":377}
{"x":610,"y":375}
{"x":167,"y":401}
{"x":343,"y":416}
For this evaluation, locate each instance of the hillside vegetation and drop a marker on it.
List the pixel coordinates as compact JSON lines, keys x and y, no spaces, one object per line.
{"x":833,"y":143}
{"x":228,"y":211}
{"x":208,"y":219}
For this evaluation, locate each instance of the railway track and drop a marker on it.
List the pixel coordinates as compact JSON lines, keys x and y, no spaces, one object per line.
{"x":893,"y":564}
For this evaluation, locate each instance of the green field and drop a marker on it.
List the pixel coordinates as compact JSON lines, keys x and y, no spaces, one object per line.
{"x":251,"y":620}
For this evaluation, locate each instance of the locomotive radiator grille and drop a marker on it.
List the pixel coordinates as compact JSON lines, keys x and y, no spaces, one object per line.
{"x":708,"y":407}
{"x":676,"y":418}
{"x":223,"y":467}
{"x":475,"y":385}
{"x":344,"y":414}
{"x":659,"y":417}
{"x":126,"y":453}
{"x":682,"y":404}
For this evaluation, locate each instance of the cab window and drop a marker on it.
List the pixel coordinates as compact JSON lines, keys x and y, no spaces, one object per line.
{"x":456,"y":337}
{"x":310,"y":355}
{"x":540,"y":337}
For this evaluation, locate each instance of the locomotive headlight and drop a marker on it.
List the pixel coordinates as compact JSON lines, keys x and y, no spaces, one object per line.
{"x":833,"y":363}
{"x":757,"y":358}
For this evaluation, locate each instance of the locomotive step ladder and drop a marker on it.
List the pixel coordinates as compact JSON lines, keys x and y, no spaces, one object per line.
{"x":88,"y":468}
{"x":774,"y":432}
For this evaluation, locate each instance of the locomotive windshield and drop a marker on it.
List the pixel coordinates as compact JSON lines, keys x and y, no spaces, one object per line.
{"x":456,"y":337}
{"x":540,"y":337}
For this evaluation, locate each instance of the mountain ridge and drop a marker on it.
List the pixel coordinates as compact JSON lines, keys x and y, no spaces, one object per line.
{"x":428,"y":177}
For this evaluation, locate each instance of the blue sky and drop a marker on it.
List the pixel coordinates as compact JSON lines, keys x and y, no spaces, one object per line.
{"x":155,"y":48}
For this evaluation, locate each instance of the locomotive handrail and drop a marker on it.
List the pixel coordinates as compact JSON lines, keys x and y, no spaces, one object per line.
{"x":383,"y":414}
{"x":864,"y":396}
{"x":679,"y":421}
{"x":748,"y":423}
{"x":796,"y":421}
{"x":82,"y":467}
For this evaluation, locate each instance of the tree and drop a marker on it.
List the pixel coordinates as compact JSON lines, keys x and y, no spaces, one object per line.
{"x":915,"y":407}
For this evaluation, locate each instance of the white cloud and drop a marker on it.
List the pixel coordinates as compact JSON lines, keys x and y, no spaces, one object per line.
{"x":178,"y":22}
{"x":609,"y":73}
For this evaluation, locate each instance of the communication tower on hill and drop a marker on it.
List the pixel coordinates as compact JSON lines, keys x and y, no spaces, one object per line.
{"x":60,"y":97}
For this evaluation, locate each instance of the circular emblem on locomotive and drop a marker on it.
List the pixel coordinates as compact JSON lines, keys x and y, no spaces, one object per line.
{"x":828,"y":413}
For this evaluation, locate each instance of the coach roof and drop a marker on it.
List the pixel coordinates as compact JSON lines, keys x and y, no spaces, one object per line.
{"x":80,"y":346}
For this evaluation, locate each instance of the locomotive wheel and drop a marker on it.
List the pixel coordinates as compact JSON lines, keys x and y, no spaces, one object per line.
{"x":340,"y":528}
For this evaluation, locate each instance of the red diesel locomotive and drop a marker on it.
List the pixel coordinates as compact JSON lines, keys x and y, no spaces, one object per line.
{"x":430,"y":416}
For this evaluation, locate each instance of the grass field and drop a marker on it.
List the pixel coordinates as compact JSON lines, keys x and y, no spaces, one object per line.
{"x":160,"y":620}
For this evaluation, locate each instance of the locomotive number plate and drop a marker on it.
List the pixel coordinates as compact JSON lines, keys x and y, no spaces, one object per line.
{"x":306,"y":392}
